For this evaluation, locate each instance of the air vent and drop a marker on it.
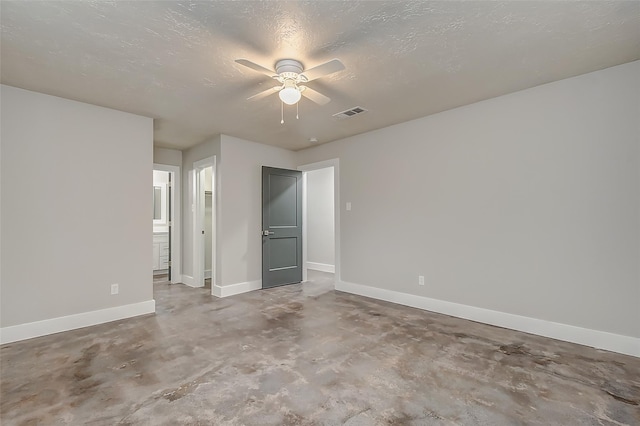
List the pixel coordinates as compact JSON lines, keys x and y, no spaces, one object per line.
{"x":349,"y":113}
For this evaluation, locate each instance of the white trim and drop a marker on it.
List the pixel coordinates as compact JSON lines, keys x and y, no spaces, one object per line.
{"x":335,"y":163}
{"x":72,"y":322}
{"x":304,"y":227}
{"x":598,"y":339}
{"x":238,"y":288}
{"x":176,"y":218}
{"x":198,"y":217}
{"x":323,"y":267}
{"x":189,"y":281}
{"x":207,"y":273}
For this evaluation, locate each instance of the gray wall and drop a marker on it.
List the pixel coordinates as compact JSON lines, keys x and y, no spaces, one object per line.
{"x":320,"y":220}
{"x":76,"y":207}
{"x":241,"y":206}
{"x":527,"y":203}
{"x":239,"y":214}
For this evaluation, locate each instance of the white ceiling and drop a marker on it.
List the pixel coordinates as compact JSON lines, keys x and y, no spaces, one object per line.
{"x":174,"y":61}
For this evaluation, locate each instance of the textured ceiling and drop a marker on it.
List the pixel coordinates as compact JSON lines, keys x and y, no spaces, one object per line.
{"x":174,"y":61}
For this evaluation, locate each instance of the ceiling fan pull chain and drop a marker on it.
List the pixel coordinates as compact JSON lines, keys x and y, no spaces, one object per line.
{"x":281,"y":112}
{"x":297,"y":110}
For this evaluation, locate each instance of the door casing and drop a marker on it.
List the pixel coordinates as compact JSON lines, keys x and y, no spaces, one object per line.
{"x":198,"y":196}
{"x":176,"y":225}
{"x":335,"y":163}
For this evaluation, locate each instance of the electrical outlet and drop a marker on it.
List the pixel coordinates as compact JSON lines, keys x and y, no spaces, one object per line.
{"x":420,"y":279}
{"x":348,"y":206}
{"x":114,"y":289}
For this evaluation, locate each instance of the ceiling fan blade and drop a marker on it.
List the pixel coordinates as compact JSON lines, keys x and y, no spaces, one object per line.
{"x":321,"y":70}
{"x":316,"y":97}
{"x":262,"y":70}
{"x":265,"y":93}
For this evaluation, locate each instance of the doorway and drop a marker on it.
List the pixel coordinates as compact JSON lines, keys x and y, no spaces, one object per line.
{"x":281,"y":227}
{"x":321,"y":218}
{"x":166,"y":223}
{"x":204,"y":230}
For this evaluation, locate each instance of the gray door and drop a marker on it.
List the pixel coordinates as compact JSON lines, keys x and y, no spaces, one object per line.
{"x":281,"y":227}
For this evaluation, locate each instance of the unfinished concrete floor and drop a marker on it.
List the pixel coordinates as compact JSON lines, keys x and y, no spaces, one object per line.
{"x":306,"y":354}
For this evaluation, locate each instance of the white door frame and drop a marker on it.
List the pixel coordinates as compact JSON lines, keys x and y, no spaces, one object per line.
{"x":198,"y":219}
{"x":176,"y":223}
{"x":335,"y":163}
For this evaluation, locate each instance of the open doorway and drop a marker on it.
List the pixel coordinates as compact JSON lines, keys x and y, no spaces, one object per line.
{"x":207,"y":225}
{"x":321,"y":219}
{"x":204,"y":232}
{"x":166,"y":223}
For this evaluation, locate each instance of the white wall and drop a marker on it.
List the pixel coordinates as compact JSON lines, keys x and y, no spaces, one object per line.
{"x":320,"y":220}
{"x":166,"y":156}
{"x":527,"y":204}
{"x":76,"y":208}
{"x":240,"y":206}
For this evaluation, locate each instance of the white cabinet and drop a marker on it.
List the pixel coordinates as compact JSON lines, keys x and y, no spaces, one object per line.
{"x":160,"y":251}
{"x":156,"y":256}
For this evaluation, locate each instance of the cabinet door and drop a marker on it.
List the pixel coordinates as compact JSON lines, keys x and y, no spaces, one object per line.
{"x":156,"y":256}
{"x":164,"y":256}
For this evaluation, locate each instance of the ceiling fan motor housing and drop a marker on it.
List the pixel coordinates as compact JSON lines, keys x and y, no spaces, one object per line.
{"x":289,"y":69}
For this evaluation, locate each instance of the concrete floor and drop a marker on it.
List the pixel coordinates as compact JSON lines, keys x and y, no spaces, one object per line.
{"x":306,"y":354}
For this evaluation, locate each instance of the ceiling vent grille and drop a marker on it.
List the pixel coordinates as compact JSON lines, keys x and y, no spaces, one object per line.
{"x":349,"y":113}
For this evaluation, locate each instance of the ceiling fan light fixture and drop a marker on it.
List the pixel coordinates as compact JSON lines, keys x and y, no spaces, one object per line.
{"x":290,"y":95}
{"x":292,"y":76}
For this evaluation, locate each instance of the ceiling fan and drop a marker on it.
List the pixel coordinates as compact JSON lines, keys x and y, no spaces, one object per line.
{"x":291,"y":76}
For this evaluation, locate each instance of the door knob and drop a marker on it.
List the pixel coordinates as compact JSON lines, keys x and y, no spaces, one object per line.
{"x":266,"y":233}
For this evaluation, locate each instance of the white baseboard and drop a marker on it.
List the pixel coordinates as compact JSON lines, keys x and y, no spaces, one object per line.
{"x":72,"y":322}
{"x":323,"y":267}
{"x":207,"y":274}
{"x":189,"y":281}
{"x":598,"y":339}
{"x":233,"y":289}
